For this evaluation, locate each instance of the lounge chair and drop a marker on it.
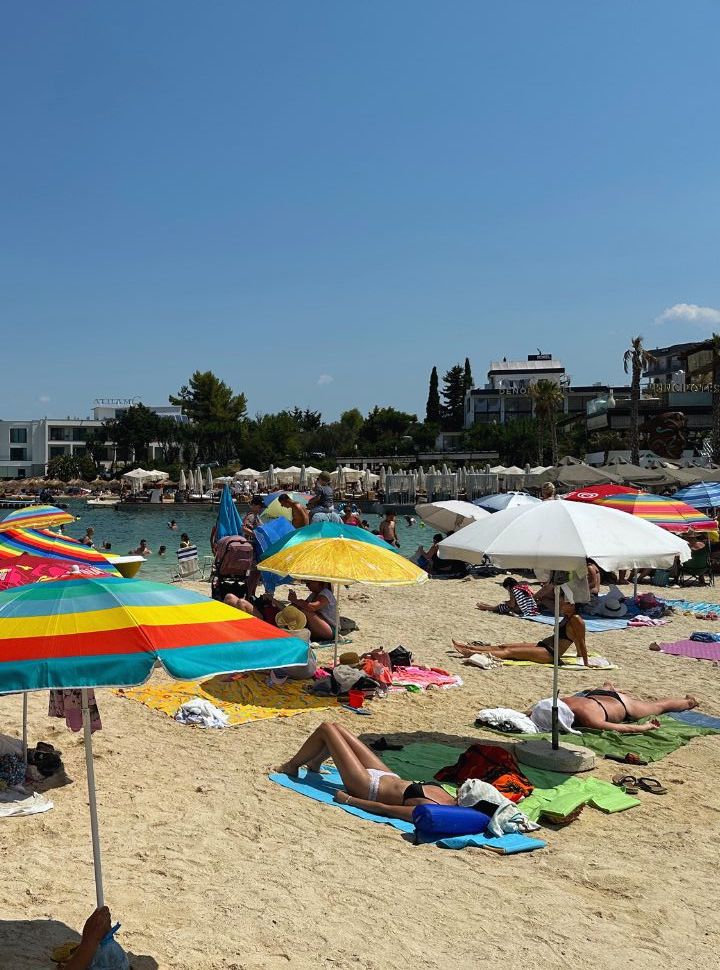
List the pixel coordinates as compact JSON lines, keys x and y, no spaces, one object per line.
{"x":188,"y":564}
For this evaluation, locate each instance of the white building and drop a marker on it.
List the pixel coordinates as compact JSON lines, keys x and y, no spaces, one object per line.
{"x":26,"y":446}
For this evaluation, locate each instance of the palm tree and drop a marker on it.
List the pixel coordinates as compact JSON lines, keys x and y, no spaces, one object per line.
{"x":636,"y":359}
{"x":547,"y":397}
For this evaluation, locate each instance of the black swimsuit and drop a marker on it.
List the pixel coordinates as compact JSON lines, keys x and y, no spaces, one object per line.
{"x":593,"y":695}
{"x":549,"y":642}
{"x":417,"y":790}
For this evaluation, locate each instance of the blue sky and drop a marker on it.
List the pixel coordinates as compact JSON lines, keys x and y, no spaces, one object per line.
{"x":321,"y":200}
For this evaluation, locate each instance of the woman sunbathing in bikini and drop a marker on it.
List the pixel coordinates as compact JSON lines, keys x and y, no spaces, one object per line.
{"x":607,"y":709}
{"x":369,"y":783}
{"x":572,"y":631}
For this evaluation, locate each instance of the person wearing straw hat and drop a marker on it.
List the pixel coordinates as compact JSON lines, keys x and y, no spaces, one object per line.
{"x":572,"y":631}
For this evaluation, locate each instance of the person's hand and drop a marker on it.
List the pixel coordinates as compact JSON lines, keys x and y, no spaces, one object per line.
{"x":653,"y":725}
{"x":341,"y":796}
{"x":96,"y":926}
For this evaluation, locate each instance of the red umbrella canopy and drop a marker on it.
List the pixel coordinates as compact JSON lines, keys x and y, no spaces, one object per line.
{"x":594,"y":492}
{"x":24,"y":569}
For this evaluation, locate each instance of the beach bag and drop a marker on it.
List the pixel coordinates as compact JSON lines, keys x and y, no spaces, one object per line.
{"x":436,"y":821}
{"x":234,"y":556}
{"x":492,"y":764}
{"x":400,"y":657}
{"x":110,"y":956}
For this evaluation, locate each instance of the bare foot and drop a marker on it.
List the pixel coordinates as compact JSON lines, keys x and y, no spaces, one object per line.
{"x":654,"y":646}
{"x":460,"y":647}
{"x":288,"y":769}
{"x":692,"y":701}
{"x":315,"y":766}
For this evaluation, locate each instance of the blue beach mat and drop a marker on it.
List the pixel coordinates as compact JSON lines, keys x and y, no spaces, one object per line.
{"x":593,"y":624}
{"x":322,"y":788}
{"x":697,"y":719}
{"x":683,"y":605}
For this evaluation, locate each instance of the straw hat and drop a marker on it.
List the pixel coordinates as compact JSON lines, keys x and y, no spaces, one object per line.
{"x":291,"y":618}
{"x":349,"y":659}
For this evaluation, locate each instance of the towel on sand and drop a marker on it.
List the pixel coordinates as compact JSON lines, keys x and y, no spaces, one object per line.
{"x":653,"y":746}
{"x":593,"y":624}
{"x":322,"y":788}
{"x":695,"y":649}
{"x":697,"y":719}
{"x":698,"y":609}
{"x":246,"y":697}
{"x":555,"y":793}
{"x":568,"y":661}
{"x":422,"y":677}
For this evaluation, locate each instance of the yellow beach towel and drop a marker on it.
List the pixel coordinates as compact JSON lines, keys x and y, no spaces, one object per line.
{"x":569,"y":662}
{"x":242,"y":697}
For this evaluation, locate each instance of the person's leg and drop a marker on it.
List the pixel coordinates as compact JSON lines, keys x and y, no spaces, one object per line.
{"x":242,"y":604}
{"x":327,"y":738}
{"x":508,"y":651}
{"x":319,"y":628}
{"x":366,"y":756}
{"x":638,"y":709}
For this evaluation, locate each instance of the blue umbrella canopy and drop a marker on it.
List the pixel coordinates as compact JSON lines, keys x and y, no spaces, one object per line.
{"x":704,"y":495}
{"x":229,"y":522}
{"x":327,"y":530}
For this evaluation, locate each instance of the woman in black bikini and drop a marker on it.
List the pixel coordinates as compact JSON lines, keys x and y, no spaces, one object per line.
{"x":607,"y":709}
{"x":572,"y":631}
{"x":369,"y":783}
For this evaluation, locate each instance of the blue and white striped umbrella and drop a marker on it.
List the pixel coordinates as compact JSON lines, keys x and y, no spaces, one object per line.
{"x":704,"y":495}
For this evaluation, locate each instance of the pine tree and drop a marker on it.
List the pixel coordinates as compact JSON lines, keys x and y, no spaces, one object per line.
{"x":468,"y":378}
{"x":453,"y":392}
{"x":432,"y":410}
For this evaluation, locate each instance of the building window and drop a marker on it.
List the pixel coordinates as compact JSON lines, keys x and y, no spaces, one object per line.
{"x":56,"y":451}
{"x":18,"y":436}
{"x":18,"y":454}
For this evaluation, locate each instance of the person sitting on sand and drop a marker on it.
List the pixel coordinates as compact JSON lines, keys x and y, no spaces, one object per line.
{"x":521,"y":601}
{"x":606,"y":709}
{"x":425,"y":558}
{"x":299,"y":515}
{"x":369,"y":783}
{"x":96,"y":928}
{"x":572,"y":631}
{"x":319,"y":609}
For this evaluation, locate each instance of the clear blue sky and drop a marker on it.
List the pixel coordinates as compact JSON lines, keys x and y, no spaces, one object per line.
{"x":321,"y":200}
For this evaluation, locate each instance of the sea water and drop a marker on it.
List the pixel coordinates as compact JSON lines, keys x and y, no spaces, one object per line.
{"x":124,"y":530}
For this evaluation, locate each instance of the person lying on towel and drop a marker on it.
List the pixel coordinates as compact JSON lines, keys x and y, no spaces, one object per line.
{"x":607,"y":709}
{"x":572,"y":632}
{"x":369,"y":783}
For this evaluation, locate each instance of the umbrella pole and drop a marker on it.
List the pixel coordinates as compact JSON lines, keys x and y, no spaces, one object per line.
{"x":24,"y":747}
{"x":337,"y":622}
{"x":556,"y":672}
{"x":97,"y":862}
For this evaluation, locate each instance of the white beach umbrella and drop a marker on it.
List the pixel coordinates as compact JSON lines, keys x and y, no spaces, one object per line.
{"x":198,"y":482}
{"x":302,"y":480}
{"x":505,"y":500}
{"x":382,"y":477}
{"x":563,"y":536}
{"x":421,"y":477}
{"x":247,"y":473}
{"x":270,"y":476}
{"x":208,"y":481}
{"x":182,"y":481}
{"x":311,"y":470}
{"x":451,"y":515}
{"x":367,"y":480}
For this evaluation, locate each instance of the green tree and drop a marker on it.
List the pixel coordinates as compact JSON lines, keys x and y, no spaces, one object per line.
{"x":548,"y":398}
{"x":467,"y":376}
{"x":453,"y":392}
{"x":433,"y":411}
{"x":132,"y":433}
{"x":218,"y":418}
{"x":635,"y":360}
{"x":307,"y":420}
{"x":715,"y":388}
{"x":67,"y":467}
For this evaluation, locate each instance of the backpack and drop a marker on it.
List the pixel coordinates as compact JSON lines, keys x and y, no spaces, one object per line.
{"x":492,"y":764}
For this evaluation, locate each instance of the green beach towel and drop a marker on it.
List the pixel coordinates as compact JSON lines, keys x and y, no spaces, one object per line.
{"x":555,"y":792}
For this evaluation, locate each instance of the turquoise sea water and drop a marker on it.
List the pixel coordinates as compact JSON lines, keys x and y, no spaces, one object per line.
{"x":124,"y":530}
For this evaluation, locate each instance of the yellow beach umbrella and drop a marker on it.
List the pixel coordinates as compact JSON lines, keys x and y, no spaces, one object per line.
{"x":340,"y":560}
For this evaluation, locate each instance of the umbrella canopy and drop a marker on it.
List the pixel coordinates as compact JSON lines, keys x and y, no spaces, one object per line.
{"x":156,"y":476}
{"x":704,"y":495}
{"x":342,"y":560}
{"x":208,"y":481}
{"x":182,"y":481}
{"x":563,"y":535}
{"x":274,"y":510}
{"x":326,"y":530}
{"x":25,"y":569}
{"x":228,"y":521}
{"x":668,"y":513}
{"x":42,"y":542}
{"x":450,"y":516}
{"x":108,"y":632}
{"x":594,"y":492}
{"x":302,"y":477}
{"x":36,"y":517}
{"x":577,"y":474}
{"x":138,"y":475}
{"x":505,"y":500}
{"x":311,"y":470}
{"x":627,"y":472}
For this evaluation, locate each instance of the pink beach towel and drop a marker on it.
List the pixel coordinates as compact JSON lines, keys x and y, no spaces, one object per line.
{"x":422,"y":677}
{"x":692,"y":648}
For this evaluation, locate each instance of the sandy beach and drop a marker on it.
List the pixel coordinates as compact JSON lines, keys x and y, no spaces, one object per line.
{"x":209,"y":866}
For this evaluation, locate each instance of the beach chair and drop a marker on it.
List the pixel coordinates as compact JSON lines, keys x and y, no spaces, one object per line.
{"x":188,"y":564}
{"x":698,"y":566}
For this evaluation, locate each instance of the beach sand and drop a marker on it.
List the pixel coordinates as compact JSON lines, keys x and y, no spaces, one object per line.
{"x":209,"y":866}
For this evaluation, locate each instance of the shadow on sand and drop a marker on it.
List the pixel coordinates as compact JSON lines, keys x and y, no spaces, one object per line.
{"x":27,"y":945}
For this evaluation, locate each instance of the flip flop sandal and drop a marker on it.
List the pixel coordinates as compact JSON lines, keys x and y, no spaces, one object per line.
{"x":628,"y":783}
{"x":652,"y":785}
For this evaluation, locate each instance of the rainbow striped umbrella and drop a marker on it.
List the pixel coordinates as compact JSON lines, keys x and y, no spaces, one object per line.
{"x":668,"y":513}
{"x":36,"y":517}
{"x":109,"y":632}
{"x":43,"y":542}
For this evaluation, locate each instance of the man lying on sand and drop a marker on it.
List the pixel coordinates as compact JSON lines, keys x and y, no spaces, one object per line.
{"x":572,"y":631}
{"x":606,"y":709}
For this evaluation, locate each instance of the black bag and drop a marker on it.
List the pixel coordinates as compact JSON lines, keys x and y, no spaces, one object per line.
{"x":400,"y":657}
